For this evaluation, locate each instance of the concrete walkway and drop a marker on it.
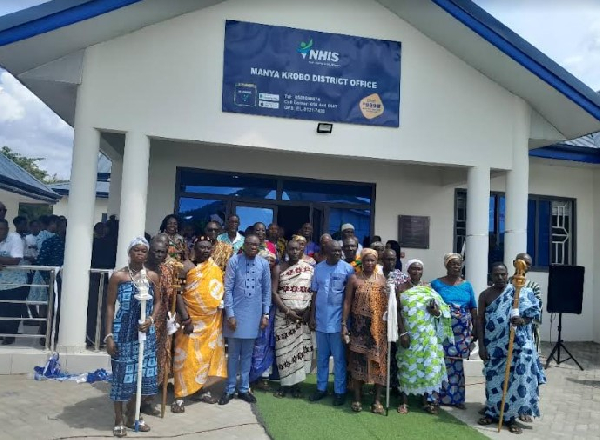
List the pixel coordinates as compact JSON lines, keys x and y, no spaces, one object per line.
{"x":44,"y":410}
{"x":570,"y":405}
{"x":569,"y":402}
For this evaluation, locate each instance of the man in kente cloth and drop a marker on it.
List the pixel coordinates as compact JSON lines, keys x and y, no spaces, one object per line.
{"x":522,"y":397}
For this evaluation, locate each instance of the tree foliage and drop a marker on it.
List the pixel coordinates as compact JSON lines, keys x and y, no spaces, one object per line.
{"x":30,"y":164}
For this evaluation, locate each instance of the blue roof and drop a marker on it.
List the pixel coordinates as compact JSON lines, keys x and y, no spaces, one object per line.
{"x":53,"y":15}
{"x":15,"y":179}
{"x":524,"y":53}
{"x":584,"y":149}
{"x":60,"y":13}
{"x":63,"y":188}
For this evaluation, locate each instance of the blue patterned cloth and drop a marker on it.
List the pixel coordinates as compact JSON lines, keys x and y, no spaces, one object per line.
{"x":125,"y":364}
{"x":461,"y":299}
{"x":527,"y":373}
{"x":453,"y":391}
{"x":263,"y":355}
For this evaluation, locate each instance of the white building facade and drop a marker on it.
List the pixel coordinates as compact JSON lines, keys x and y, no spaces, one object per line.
{"x":146,"y":91}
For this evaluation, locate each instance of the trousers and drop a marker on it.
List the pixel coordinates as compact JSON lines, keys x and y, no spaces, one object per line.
{"x":331,"y":344}
{"x":240,"y":353}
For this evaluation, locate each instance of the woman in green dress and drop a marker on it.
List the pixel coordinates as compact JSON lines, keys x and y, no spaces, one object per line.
{"x":424,"y":324}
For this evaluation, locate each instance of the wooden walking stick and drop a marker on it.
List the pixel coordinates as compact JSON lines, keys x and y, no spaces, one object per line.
{"x":177,"y":287}
{"x":518,"y":281}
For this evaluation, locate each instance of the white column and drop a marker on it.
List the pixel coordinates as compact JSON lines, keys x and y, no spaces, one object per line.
{"x":78,"y":249}
{"x":517,"y":186}
{"x":114,"y":188}
{"x":478,"y":208}
{"x":134,"y":192}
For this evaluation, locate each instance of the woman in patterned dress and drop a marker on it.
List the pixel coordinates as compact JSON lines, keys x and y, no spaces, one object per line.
{"x":365,"y":304}
{"x":424,"y":324}
{"x":459,"y":295}
{"x":122,"y":342}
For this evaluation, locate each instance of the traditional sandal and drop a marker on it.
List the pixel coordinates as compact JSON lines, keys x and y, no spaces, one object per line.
{"x":120,"y":431}
{"x":141,"y":425}
{"x":485,"y":421}
{"x":513,"y":428}
{"x":403,"y":409}
{"x":377,"y":408}
{"x":356,"y":407}
{"x":280,"y":393}
{"x":177,"y":407}
{"x":205,"y":397}
{"x":432,"y":408}
{"x":525,"y":418}
{"x":297,"y":393}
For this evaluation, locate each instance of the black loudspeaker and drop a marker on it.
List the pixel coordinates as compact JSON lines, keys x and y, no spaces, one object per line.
{"x":565,"y":289}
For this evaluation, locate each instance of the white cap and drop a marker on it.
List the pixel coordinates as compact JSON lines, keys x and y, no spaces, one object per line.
{"x":347,"y":226}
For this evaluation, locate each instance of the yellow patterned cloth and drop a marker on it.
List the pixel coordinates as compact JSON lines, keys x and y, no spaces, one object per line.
{"x":201,"y":354}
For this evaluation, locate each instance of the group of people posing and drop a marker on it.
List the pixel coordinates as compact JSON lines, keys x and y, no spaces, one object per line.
{"x":273,"y":305}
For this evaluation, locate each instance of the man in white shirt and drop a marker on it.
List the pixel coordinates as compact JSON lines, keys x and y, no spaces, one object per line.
{"x":31,"y":250}
{"x":11,"y":282}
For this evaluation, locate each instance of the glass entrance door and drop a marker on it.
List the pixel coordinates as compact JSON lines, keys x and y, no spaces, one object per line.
{"x":251,"y":214}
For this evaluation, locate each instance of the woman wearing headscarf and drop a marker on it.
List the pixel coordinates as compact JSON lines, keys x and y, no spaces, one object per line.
{"x":424,"y":324}
{"x":460,"y":297}
{"x":122,"y":342}
{"x":177,"y":247}
{"x":365,"y":330}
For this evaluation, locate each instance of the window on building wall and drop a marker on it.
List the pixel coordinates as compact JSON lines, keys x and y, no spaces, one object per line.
{"x":550,"y":228}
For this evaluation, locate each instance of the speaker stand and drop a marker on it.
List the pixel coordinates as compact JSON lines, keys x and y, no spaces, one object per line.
{"x":555,"y":354}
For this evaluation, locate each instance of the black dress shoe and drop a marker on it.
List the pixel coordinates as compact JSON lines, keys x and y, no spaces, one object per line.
{"x":318,"y":395}
{"x":8,"y":341}
{"x":339,"y":400}
{"x":247,"y":397}
{"x":225,"y":398}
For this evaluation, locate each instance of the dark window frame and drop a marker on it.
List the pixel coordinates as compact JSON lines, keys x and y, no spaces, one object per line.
{"x":232,"y":200}
{"x":537,"y":197}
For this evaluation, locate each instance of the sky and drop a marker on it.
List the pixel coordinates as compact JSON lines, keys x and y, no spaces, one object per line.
{"x":568,"y":31}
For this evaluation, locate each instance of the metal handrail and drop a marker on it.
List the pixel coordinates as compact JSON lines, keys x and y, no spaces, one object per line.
{"x":50,"y":321}
{"x":101,"y":289}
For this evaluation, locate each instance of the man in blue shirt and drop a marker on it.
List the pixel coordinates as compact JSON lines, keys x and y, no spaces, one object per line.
{"x":328,"y":284}
{"x":247,"y":301}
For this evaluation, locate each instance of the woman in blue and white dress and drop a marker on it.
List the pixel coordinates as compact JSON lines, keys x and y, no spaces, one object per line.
{"x":122,"y":342}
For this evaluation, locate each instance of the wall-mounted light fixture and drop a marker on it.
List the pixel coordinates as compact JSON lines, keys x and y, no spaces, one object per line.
{"x":323,"y":127}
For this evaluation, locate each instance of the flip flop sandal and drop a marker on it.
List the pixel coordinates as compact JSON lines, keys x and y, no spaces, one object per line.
{"x":403,"y":409}
{"x":377,"y":408}
{"x":177,"y":408}
{"x":485,"y":421}
{"x":525,"y":418}
{"x":356,"y":407}
{"x":120,"y":431}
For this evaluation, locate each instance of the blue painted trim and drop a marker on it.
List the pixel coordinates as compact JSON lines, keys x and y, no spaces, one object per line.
{"x":56,"y":20}
{"x":566,"y":153}
{"x":493,"y":31}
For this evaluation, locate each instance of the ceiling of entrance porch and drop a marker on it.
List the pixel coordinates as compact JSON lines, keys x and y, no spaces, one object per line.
{"x":49,"y":62}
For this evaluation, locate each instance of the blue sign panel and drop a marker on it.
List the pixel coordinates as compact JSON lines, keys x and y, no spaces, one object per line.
{"x":294,"y":73}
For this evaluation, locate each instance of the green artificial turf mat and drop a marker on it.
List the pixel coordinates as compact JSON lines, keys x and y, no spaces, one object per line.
{"x":299,"y":419}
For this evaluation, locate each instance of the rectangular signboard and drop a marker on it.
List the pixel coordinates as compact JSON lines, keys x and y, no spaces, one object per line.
{"x":300,"y":74}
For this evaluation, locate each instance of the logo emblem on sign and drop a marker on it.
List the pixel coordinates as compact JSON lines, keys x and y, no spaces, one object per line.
{"x":304,"y":48}
{"x":371,"y":106}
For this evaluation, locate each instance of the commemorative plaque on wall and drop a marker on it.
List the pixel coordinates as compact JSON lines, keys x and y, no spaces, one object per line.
{"x":413,"y":231}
